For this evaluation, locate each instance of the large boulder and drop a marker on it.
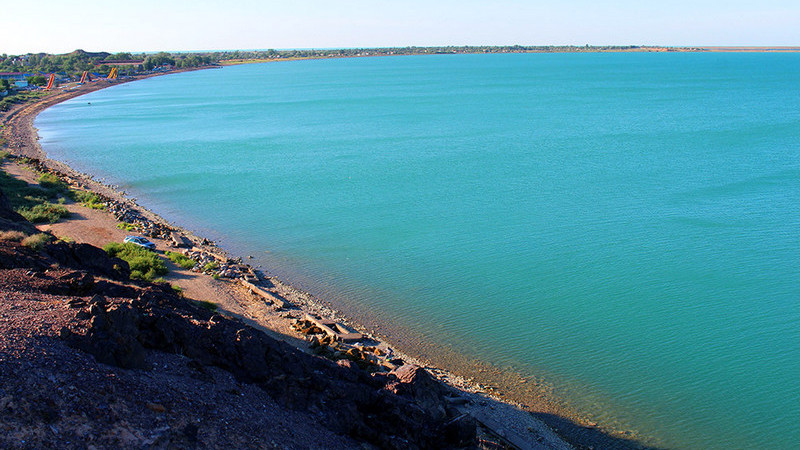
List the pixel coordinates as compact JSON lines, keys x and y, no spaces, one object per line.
{"x":415,"y":382}
{"x":88,"y":257}
{"x":113,"y":336}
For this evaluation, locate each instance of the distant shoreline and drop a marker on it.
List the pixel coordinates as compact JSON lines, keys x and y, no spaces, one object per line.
{"x":193,"y":60}
{"x":17,"y":123}
{"x":379,"y":51}
{"x":777,"y":49}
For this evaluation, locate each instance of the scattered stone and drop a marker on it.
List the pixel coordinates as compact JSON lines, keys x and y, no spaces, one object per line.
{"x":180,"y":241}
{"x":156,"y":407}
{"x":76,"y":302}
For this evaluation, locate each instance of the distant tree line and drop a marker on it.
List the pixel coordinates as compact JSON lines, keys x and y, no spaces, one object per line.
{"x":72,"y":65}
{"x":349,"y":52}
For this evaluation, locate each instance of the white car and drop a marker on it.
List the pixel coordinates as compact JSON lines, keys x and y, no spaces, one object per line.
{"x":140,"y":241}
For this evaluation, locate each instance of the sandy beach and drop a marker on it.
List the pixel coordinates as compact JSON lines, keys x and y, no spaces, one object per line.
{"x":494,"y":396}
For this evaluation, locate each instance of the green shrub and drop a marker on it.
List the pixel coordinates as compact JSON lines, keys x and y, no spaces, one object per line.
{"x":33,"y":202}
{"x":44,"y":212}
{"x":21,"y":194}
{"x":181,"y":260}
{"x":51,"y":182}
{"x":209,"y":267}
{"x":37,"y":241}
{"x":178,"y":290}
{"x":126,"y":226}
{"x":145,"y":264}
{"x":15,"y":236}
{"x":89,"y":199}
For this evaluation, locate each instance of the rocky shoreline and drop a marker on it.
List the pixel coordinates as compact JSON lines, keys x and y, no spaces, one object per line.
{"x":69,"y":314}
{"x":67,"y":297}
{"x":489,"y":419}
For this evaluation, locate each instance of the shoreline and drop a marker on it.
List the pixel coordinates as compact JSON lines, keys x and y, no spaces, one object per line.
{"x":23,"y":141}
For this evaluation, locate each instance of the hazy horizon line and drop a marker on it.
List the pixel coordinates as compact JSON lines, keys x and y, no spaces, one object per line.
{"x":421,"y":47}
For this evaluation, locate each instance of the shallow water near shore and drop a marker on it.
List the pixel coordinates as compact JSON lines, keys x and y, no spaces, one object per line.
{"x":623,"y":225}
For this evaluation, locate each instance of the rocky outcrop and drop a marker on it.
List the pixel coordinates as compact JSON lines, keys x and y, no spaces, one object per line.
{"x":13,"y":255}
{"x":88,"y":257}
{"x":56,"y":396}
{"x":123,"y":324}
{"x":401,"y":409}
{"x":415,"y":383}
{"x":125,"y":213}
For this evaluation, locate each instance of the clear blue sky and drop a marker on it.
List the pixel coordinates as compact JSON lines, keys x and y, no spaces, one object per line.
{"x":149,"y":25}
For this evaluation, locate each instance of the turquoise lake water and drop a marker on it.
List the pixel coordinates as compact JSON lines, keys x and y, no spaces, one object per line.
{"x":623,"y":225}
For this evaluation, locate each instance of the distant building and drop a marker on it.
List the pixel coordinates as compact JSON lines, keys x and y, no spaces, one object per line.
{"x":21,"y":83}
{"x":12,"y":76}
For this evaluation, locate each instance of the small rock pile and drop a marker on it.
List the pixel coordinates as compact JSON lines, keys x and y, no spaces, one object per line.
{"x":36,"y":163}
{"x":233,"y":270}
{"x":222,"y":266}
{"x":145,"y":226}
{"x":372,"y":358}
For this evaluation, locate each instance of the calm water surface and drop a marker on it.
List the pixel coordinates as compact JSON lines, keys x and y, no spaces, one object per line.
{"x":625,"y":225}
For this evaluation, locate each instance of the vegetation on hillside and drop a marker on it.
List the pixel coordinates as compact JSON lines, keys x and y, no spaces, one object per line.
{"x":75,"y":63}
{"x":89,"y":199}
{"x":52,"y":183}
{"x":181,"y":260}
{"x":17,"y":97}
{"x":145,"y":264}
{"x":35,"y":202}
{"x":45,"y":212}
{"x":126,"y":226}
{"x":37,"y":242}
